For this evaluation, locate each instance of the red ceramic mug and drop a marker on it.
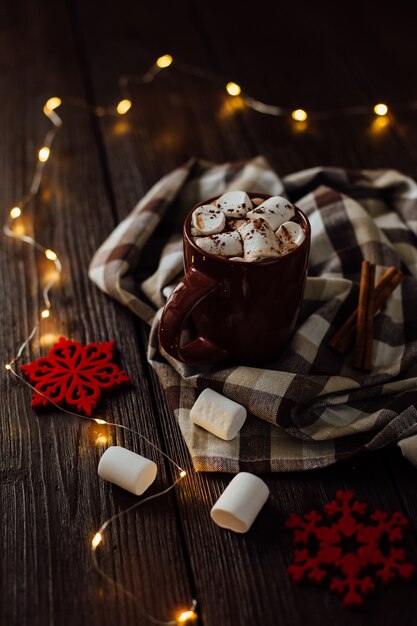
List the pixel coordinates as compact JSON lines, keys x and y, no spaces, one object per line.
{"x":243,"y":312}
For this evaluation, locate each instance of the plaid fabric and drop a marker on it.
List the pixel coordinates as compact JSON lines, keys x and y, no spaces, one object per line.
{"x":310,"y":407}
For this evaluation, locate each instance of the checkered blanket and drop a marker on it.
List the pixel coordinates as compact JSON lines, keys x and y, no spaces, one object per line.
{"x":310,"y":407}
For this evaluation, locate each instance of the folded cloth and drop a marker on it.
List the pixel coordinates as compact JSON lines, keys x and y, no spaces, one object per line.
{"x":310,"y":407}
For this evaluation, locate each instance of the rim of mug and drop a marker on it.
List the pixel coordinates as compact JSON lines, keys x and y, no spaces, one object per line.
{"x":261,"y":263}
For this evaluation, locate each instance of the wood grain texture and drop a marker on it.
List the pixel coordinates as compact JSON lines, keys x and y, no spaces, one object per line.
{"x":257,"y":562}
{"x":51,"y":496}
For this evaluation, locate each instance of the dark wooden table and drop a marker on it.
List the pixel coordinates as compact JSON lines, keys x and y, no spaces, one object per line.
{"x":295,"y":54}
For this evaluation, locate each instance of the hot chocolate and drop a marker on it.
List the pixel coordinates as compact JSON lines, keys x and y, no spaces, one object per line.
{"x":245,"y":262}
{"x":239,"y":228}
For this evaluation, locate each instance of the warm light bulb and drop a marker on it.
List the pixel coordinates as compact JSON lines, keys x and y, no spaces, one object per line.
{"x":123,"y":106}
{"x":15,"y":212}
{"x":96,"y":540}
{"x":50,"y":254}
{"x":45,"y":313}
{"x":380,"y":109}
{"x":164,"y":61}
{"x":99,"y":421}
{"x":43,"y":154}
{"x":52,"y":103}
{"x":299,"y":115}
{"x":186,"y":616}
{"x":8,"y":366}
{"x":233,"y":89}
{"x":183,"y":473}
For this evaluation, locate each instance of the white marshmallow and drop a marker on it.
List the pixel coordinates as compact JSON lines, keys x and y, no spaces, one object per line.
{"x":208,"y":220}
{"x":290,"y":233}
{"x":127,"y":469}
{"x":224,"y":244}
{"x":236,"y":258}
{"x":259,"y":241}
{"x":240,"y":503}
{"x":166,"y":291}
{"x":219,"y":415}
{"x":234,"y":203}
{"x":275,"y":211}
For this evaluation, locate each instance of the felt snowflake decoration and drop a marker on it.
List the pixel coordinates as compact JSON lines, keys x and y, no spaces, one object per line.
{"x":74,"y":375}
{"x":347,"y":549}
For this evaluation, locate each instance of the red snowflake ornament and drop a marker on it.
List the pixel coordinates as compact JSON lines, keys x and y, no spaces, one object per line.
{"x":74,"y":375}
{"x":348,"y":549}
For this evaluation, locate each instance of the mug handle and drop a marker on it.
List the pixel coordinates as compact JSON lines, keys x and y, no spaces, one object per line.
{"x":191,"y":290}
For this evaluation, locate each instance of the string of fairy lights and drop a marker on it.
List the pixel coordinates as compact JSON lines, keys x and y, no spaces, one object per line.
{"x":12,"y":229}
{"x":184,"y":616}
{"x":16,"y":233}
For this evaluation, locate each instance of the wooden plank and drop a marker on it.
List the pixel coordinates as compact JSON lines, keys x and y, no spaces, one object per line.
{"x":52,"y":498}
{"x":159,"y":135}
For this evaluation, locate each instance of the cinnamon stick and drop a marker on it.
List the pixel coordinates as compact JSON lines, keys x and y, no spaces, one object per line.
{"x":385,"y":288}
{"x":344,"y":338}
{"x":369,"y":328}
{"x":365,"y":321}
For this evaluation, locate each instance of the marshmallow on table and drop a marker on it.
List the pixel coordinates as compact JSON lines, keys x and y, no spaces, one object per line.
{"x":234,"y":203}
{"x":275,"y":211}
{"x":240,"y":503}
{"x":224,"y":244}
{"x":127,"y":469}
{"x":290,"y":233}
{"x":259,"y":241}
{"x":208,"y":220}
{"x":219,"y":415}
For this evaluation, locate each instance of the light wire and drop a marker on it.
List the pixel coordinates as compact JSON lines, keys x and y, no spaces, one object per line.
{"x":124,"y":512}
{"x":43,"y":156}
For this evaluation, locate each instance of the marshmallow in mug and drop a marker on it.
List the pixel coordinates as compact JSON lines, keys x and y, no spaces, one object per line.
{"x":259,"y":241}
{"x":223,"y":244}
{"x":275,"y":211}
{"x":237,"y":228}
{"x":290,"y":233}
{"x":234,"y":203}
{"x":207,"y":220}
